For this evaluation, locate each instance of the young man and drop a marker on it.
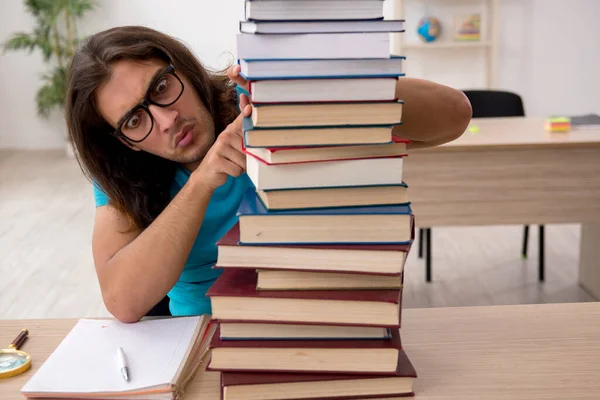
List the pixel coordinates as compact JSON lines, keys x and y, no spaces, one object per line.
{"x":160,"y":137}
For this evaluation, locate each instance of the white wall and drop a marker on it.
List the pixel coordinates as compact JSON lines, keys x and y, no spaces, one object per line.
{"x":19,"y":79}
{"x":209,"y":28}
{"x":549,"y":53}
{"x":563,"y":75}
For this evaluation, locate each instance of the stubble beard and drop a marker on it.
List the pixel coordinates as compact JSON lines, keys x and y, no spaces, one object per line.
{"x":201,"y":147}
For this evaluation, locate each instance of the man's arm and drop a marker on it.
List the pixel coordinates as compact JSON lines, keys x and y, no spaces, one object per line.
{"x":432,"y":114}
{"x":137,"y":269}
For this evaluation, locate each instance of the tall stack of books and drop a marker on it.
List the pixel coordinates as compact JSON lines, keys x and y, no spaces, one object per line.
{"x":310,"y":300}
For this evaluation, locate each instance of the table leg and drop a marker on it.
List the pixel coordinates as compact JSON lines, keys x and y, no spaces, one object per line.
{"x":589,"y":262}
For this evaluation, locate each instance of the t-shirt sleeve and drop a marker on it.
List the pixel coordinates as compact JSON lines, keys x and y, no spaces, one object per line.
{"x":239,"y":91}
{"x":99,"y":196}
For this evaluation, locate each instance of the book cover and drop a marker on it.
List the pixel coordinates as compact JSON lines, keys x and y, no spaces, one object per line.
{"x":367,"y":259}
{"x":251,"y":205}
{"x":232,"y":238}
{"x":393,"y":343}
{"x":274,"y":27}
{"x":271,"y":331}
{"x":229,"y":378}
{"x":343,"y":225}
{"x":395,"y":139}
{"x":317,"y":68}
{"x":316,"y":136}
{"x":357,"y":113}
{"x":300,"y":154}
{"x":248,"y":125}
{"x":240,"y":282}
{"x":313,"y":45}
{"x":306,"y":11}
{"x":379,"y":357}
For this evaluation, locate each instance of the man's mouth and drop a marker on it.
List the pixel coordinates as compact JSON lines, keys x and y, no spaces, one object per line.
{"x":184,"y":138}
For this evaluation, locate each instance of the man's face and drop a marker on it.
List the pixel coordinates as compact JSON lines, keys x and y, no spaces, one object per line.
{"x":182,"y":132}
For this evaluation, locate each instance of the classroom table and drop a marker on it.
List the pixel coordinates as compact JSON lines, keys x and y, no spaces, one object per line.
{"x":512,"y":171}
{"x":546,"y":351}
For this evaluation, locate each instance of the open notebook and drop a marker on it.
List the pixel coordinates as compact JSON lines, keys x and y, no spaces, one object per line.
{"x":162,"y":356}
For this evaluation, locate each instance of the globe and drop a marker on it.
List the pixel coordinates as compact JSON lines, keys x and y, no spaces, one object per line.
{"x":429,"y":29}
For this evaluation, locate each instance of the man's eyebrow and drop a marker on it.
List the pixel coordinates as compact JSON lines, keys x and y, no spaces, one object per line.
{"x":152,"y":82}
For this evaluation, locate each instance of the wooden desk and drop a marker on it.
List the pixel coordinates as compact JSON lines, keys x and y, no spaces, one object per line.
{"x":545,"y":352}
{"x":513,"y":172}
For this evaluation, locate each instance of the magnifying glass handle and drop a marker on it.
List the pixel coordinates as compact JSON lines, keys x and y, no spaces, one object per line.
{"x":19,"y":339}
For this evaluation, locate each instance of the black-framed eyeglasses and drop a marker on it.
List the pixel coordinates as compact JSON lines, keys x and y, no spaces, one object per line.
{"x":164,"y":90}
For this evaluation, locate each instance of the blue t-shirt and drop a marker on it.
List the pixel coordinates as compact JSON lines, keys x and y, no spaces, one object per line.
{"x":188,"y":296}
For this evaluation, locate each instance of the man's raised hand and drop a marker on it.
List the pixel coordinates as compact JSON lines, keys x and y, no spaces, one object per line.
{"x":225,"y":157}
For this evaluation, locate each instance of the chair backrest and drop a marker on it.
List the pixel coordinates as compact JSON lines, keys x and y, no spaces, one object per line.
{"x":495,"y":103}
{"x":161,"y":309}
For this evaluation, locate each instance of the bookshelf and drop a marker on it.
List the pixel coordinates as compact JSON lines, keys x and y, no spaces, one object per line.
{"x":449,"y":45}
{"x":478,"y":58}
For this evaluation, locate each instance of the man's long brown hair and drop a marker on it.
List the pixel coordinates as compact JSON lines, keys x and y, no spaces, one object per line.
{"x":136,"y":182}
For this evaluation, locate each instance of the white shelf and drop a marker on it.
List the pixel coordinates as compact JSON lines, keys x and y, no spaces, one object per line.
{"x":490,"y":36}
{"x":446,"y":45}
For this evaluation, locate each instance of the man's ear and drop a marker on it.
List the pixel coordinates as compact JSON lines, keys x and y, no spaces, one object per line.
{"x":130,"y":145}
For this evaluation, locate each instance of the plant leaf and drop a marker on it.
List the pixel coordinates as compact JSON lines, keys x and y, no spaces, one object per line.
{"x":80,"y":7}
{"x":52,"y":93}
{"x":47,"y":38}
{"x":20,"y":41}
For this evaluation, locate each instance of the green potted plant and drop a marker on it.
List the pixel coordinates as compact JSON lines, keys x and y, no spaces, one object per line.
{"x":55,"y":35}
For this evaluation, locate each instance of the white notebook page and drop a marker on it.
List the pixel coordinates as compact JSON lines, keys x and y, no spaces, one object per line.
{"x":86,"y":360}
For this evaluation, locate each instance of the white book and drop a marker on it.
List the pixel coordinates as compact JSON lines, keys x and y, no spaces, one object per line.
{"x":313,"y":9}
{"x":161,"y":355}
{"x":373,"y":171}
{"x":307,"y":68}
{"x":298,"y":27}
{"x":314,"y":45}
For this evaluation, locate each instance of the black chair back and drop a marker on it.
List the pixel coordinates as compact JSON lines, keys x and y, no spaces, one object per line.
{"x":161,"y":309}
{"x":495,"y":103}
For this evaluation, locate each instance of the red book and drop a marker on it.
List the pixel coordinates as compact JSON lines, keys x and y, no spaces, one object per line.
{"x":319,"y":356}
{"x":304,"y":154}
{"x":376,"y":259}
{"x":291,"y":386}
{"x":234,"y":298}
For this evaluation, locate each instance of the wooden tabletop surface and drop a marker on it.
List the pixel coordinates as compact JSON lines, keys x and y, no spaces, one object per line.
{"x":522,"y":132}
{"x":549,"y":351}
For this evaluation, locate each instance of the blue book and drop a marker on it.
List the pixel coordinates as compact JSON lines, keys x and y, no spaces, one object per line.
{"x":338,"y":89}
{"x":312,"y":136}
{"x":385,"y":224}
{"x":255,"y":70}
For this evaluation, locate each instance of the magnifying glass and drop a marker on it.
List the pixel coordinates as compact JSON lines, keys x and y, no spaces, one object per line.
{"x":13,"y":361}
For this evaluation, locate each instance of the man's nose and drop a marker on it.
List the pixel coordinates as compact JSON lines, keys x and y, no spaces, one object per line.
{"x":164,"y":117}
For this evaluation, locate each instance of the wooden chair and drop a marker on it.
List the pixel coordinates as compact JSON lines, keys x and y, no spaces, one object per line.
{"x":488,"y":104}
